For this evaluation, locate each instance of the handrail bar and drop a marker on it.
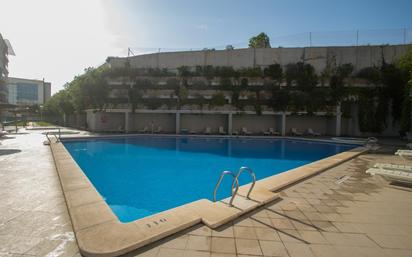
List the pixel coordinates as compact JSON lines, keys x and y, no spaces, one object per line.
{"x":226,"y":172}
{"x":47,"y":136}
{"x":252,"y":174}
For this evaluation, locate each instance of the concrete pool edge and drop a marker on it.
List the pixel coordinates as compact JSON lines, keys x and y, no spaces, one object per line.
{"x":100,"y":233}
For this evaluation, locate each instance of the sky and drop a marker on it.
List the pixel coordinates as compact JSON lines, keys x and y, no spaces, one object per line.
{"x":57,"y":39}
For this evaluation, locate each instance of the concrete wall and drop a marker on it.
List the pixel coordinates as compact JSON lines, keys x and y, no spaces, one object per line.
{"x":199,"y":122}
{"x":319,"y":57}
{"x":139,"y":120}
{"x":255,"y":123}
{"x":105,"y":121}
{"x":322,"y":124}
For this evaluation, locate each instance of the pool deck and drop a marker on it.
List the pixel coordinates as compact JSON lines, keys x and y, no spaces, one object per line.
{"x":361,"y":216}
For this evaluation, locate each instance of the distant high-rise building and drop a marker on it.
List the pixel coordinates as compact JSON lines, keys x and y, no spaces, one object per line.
{"x":3,"y":70}
{"x":27,"y":91}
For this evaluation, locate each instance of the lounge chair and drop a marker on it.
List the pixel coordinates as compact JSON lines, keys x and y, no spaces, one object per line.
{"x":394,"y":175}
{"x":295,"y":132}
{"x":313,"y":133}
{"x":222,"y":131}
{"x":144,"y":130}
{"x":271,"y":131}
{"x":158,"y":130}
{"x":389,"y":166}
{"x":406,"y":154}
{"x":245,"y":131}
{"x":208,"y":131}
{"x":235,"y":132}
{"x":192,"y":132}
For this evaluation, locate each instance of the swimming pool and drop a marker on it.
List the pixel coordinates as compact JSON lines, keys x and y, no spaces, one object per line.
{"x":142,"y":175}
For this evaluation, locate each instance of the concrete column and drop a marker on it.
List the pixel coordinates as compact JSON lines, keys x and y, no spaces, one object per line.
{"x":177,"y":122}
{"x":126,"y":122}
{"x":283,"y":123}
{"x":338,"y":123}
{"x":229,"y":123}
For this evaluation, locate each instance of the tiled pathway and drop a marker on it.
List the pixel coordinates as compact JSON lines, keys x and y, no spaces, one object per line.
{"x":360,"y":216}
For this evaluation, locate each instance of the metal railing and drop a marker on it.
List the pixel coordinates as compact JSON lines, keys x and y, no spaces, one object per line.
{"x":235,"y":183}
{"x":55,"y":136}
{"x":252,"y":174}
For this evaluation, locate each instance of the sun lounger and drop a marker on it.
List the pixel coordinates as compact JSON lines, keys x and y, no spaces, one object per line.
{"x":394,"y":175}
{"x":208,"y":131}
{"x":295,"y":132}
{"x":158,"y":130}
{"x":245,"y":131}
{"x":235,"y":132}
{"x":313,"y":133}
{"x":144,"y":130}
{"x":389,"y":166}
{"x":222,"y":131}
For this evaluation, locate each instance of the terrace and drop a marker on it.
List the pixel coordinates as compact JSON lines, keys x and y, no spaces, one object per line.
{"x":340,"y":212}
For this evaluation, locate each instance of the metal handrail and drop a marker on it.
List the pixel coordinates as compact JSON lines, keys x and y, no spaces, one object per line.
{"x":253,"y":179}
{"x":47,"y":136}
{"x":233,"y":182}
{"x":55,"y":136}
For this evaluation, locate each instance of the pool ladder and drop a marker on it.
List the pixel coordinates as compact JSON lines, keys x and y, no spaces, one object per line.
{"x":235,"y":183}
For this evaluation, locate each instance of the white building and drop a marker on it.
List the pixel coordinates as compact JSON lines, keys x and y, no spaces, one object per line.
{"x":27,"y":91}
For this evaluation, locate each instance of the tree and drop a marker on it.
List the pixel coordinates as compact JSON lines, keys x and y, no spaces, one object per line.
{"x":229,"y":47}
{"x":260,"y":41}
{"x":274,"y":71}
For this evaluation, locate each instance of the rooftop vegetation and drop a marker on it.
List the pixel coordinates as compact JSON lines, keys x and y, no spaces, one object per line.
{"x":302,"y":89}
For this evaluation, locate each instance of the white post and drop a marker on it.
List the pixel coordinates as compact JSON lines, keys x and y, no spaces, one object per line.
{"x":177,"y":122}
{"x":126,"y":122}
{"x":338,"y":121}
{"x":229,"y":123}
{"x":283,"y":132}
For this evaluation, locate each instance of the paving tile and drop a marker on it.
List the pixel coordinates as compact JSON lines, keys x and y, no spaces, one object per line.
{"x":223,"y":232}
{"x":282,"y":223}
{"x":223,"y":245}
{"x":290,"y":236}
{"x":245,"y":232}
{"x":248,"y":246}
{"x":392,"y":241}
{"x":299,"y":250}
{"x":303,"y":225}
{"x":267,"y":234}
{"x":192,"y":253}
{"x":198,"y":243}
{"x":179,"y":242}
{"x":166,"y":252}
{"x":201,"y":230}
{"x":272,"y":248}
{"x":313,"y":237}
{"x":325,"y":226}
{"x":322,"y":250}
{"x":223,"y":255}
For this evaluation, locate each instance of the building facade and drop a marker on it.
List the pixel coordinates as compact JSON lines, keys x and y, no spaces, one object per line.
{"x":3,"y":70}
{"x":23,"y":92}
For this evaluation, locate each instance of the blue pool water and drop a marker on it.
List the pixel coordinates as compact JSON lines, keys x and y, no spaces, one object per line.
{"x":143,"y":175}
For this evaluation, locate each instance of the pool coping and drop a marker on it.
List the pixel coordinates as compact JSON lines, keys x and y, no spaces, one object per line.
{"x":99,"y":232}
